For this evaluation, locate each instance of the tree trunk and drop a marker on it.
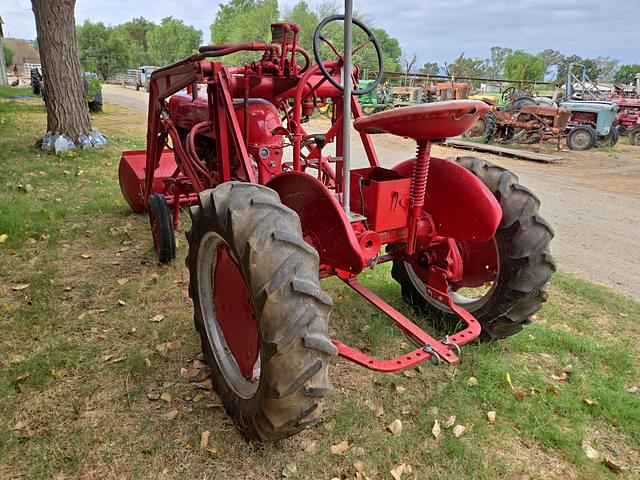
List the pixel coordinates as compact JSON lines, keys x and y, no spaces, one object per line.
{"x":67,"y":110}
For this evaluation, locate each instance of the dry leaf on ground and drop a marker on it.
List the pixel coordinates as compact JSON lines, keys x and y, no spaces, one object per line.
{"x":491,"y":416}
{"x":153,"y":396}
{"x":86,"y":255}
{"x":589,"y":402}
{"x":612,"y":465}
{"x":20,"y":287}
{"x":205,"y":384}
{"x":395,"y":427}
{"x":458,"y":430}
{"x":339,"y":448}
{"x":472,"y":381}
{"x":171,"y":414}
{"x":4,"y":237}
{"x":509,"y":382}
{"x":401,"y":469}
{"x":163,"y":348}
{"x":166,"y":397}
{"x":122,"y":281}
{"x":589,"y":451}
{"x":157,"y":318}
{"x":375,"y":407}
{"x":308,"y":446}
{"x":289,"y":470}
{"x":436,"y":429}
{"x":633,"y":389}
{"x":204,"y":439}
{"x":450,"y":421}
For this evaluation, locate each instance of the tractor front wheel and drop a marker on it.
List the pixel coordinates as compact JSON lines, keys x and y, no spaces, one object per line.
{"x":259,"y":309}
{"x":503,"y":278}
{"x":609,"y":140}
{"x":582,"y":137}
{"x":161,"y":223}
{"x":634,"y":136}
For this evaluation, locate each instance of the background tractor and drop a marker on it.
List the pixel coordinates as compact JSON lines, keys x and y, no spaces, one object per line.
{"x":274,"y":209}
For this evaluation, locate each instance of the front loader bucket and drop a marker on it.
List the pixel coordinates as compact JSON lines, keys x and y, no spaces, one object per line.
{"x":131,"y":174}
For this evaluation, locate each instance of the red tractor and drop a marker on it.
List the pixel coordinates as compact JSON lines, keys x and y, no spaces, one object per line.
{"x":275,"y":210}
{"x":629,"y":118}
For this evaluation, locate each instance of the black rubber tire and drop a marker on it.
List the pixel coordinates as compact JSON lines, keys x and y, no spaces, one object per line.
{"x":164,"y":238}
{"x":526,"y":265}
{"x":291,"y":310}
{"x":579,"y":132}
{"x":520,"y":102}
{"x":634,"y":136}
{"x":491,"y":127}
{"x":609,"y":140}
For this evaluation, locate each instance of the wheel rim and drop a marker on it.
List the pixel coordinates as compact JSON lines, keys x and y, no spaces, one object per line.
{"x":229,"y":319}
{"x":472,"y":292}
{"x":581,"y":139}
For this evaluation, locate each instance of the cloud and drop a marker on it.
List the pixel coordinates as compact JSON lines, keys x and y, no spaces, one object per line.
{"x":435,"y":30}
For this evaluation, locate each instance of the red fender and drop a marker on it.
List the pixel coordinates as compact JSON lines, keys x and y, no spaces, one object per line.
{"x":461,"y":205}
{"x":324,"y":224}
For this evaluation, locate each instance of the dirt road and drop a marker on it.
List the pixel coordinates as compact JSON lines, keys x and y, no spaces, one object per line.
{"x":592,"y":199}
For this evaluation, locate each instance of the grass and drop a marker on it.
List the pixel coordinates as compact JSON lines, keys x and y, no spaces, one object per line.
{"x":78,"y":354}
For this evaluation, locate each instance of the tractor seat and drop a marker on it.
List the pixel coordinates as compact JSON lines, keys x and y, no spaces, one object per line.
{"x":426,"y":122}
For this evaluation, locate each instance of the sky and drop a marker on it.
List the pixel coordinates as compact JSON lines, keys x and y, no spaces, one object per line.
{"x":433,"y":30}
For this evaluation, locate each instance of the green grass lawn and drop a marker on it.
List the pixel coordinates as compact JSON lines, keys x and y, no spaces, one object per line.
{"x":79,"y":356}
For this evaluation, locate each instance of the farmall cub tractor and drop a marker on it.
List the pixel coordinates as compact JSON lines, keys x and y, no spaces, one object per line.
{"x":273,"y":213}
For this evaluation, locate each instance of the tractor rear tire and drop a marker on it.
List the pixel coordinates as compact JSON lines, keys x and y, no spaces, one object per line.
{"x":609,"y":140}
{"x":490,"y":129}
{"x":278,"y":271}
{"x":525,"y":264}
{"x":582,"y":137}
{"x":161,"y":223}
{"x":634,"y":136}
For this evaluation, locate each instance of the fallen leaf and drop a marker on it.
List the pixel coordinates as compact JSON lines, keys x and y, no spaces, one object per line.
{"x":612,"y":465}
{"x":433,"y":411}
{"x":212,"y":451}
{"x":171,"y":414}
{"x":123,"y":281}
{"x":450,"y":421}
{"x":86,"y":255}
{"x":191,"y":372}
{"x":4,"y":237}
{"x":157,"y":318}
{"x":289,"y":470}
{"x":204,"y":439}
{"x":375,"y":407}
{"x":147,"y":362}
{"x":519,"y":395}
{"x":409,"y":373}
{"x":308,"y":446}
{"x":458,"y":430}
{"x":436,"y":429}
{"x":20,"y":425}
{"x":154,"y":277}
{"x":491,"y":416}
{"x":589,"y":451}
{"x":20,"y":287}
{"x":359,"y":466}
{"x":106,"y":358}
{"x":508,"y":378}
{"x":163,"y":348}
{"x":401,"y":469}
{"x":166,"y":397}
{"x":472,"y":381}
{"x":400,"y":389}
{"x":15,"y":359}
{"x":339,"y":448}
{"x":395,"y":427}
{"x":568,"y":369}
{"x":633,"y":389}
{"x":153,"y":396}
{"x":206,"y":384}
{"x":560,"y":377}
{"x":199,"y":364}
{"x":589,"y":402}
{"x":553,"y":391}
{"x":122,"y":303}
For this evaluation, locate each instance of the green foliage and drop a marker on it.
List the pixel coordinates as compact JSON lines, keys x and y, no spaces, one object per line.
{"x":430,"y":68}
{"x":498,"y":58}
{"x":240,"y":21}
{"x":104,"y":50}
{"x":172,"y":40}
{"x":93,"y":87}
{"x":521,"y":65}
{"x":627,"y":73}
{"x":135,"y":31}
{"x":307,"y":20}
{"x":467,"y":67}
{"x":8,"y":55}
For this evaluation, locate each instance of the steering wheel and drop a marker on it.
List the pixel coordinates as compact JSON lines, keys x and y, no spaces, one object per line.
{"x":317,"y":36}
{"x":508,"y":94}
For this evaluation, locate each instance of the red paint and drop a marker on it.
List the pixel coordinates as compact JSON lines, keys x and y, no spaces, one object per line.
{"x":429,"y":121}
{"x":131,"y":174}
{"x":234,"y":311}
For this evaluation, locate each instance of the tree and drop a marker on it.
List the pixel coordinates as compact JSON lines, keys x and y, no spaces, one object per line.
{"x":391,"y":50}
{"x":521,"y":65}
{"x":171,"y":41}
{"x":466,"y":67}
{"x":430,"y":68}
{"x":627,"y":73}
{"x":307,"y":20}
{"x":8,"y":55}
{"x":67,"y":110}
{"x":496,"y":62}
{"x":240,"y":21}
{"x":552,"y":58}
{"x":135,"y":33}
{"x":104,"y":50}
{"x":607,"y":68}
